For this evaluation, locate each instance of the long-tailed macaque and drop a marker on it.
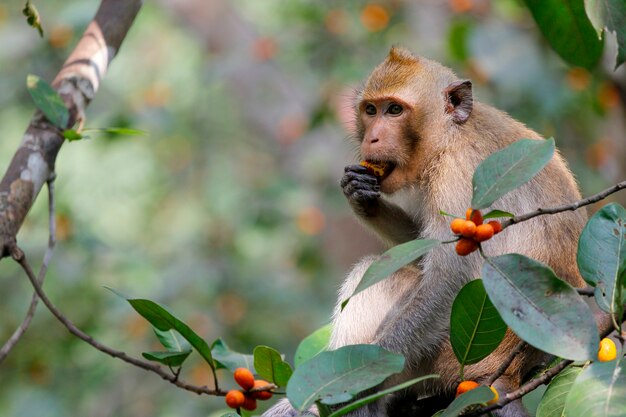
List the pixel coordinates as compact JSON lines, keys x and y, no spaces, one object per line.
{"x":420,"y":119}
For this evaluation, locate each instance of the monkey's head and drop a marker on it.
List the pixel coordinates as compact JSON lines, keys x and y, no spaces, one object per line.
{"x":407,"y":111}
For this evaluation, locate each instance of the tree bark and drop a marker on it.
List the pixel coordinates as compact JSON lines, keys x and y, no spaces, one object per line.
{"x":77,"y":82}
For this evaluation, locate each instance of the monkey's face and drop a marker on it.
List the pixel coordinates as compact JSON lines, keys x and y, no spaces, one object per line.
{"x":385,"y":136}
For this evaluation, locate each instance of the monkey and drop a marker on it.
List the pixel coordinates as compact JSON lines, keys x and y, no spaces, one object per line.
{"x":417,"y":117}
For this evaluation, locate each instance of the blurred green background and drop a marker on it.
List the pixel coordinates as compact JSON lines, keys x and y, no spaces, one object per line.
{"x":229,"y":211}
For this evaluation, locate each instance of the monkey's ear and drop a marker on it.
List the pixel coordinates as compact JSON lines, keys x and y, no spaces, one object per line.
{"x":459,"y":100}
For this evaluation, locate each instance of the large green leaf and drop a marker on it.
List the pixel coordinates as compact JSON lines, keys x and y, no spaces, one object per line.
{"x":392,"y":260}
{"x":599,"y":391}
{"x":313,"y":344}
{"x":540,"y":308}
{"x":610,"y":14}
{"x":269,"y":364}
{"x":480,"y":395}
{"x":476,"y":328}
{"x":553,"y":401}
{"x":226,"y":358}
{"x":602,"y":255}
{"x":371,"y":398}
{"x":508,"y":169}
{"x":167,"y":358}
{"x":336,"y":376}
{"x":567,"y":29}
{"x":163,"y":320}
{"x":48,"y":101}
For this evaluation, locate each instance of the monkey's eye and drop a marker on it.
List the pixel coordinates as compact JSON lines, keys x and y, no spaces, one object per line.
{"x":370,"y":109}
{"x":394,"y":109}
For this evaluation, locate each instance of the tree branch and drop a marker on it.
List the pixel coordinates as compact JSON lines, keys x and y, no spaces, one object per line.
{"x":19,"y":332}
{"x":77,"y":83}
{"x":505,"y":365}
{"x":566,"y":207}
{"x":19,"y":256}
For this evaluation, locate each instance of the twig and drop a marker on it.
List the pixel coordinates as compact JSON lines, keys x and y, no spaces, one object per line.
{"x":505,"y":365}
{"x":566,"y":207}
{"x":19,"y":332}
{"x":523,"y":390}
{"x":20,"y":257}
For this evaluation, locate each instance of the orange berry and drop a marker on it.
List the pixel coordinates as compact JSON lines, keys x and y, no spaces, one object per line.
{"x":484,"y":232}
{"x":466,"y":246}
{"x":244,"y":378}
{"x":235,"y":398}
{"x":474,"y":215}
{"x":249,"y":403}
{"x":497,"y":226}
{"x":261,"y":395}
{"x":457,"y":225}
{"x":607,"y":351}
{"x":468,"y":229}
{"x":496,"y":396}
{"x":465,"y":386}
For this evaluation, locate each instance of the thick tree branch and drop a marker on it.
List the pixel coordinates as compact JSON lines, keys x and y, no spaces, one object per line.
{"x":19,"y":256}
{"x":77,"y":82}
{"x":19,"y":332}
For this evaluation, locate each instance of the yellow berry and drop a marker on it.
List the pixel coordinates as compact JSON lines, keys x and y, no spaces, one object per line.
{"x":496,"y":396}
{"x":607,"y":351}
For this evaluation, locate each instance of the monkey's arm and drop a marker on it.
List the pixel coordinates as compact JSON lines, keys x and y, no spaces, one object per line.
{"x":391,"y":223}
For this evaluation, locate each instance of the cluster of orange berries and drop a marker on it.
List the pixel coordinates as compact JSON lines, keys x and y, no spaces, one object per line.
{"x":246,"y":399}
{"x":473,"y":231}
{"x":465,"y":386}
{"x":607,"y":351}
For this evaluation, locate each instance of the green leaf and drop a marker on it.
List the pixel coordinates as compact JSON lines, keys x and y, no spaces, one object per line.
{"x":602,"y":255}
{"x":458,"y":35}
{"x":230,"y":415}
{"x":122,"y":131}
{"x":269,"y":364}
{"x":540,"y":308}
{"x":371,"y":398}
{"x":32,"y":17}
{"x":508,"y":169}
{"x":229,"y":359}
{"x":480,"y":395}
{"x":497,"y":214}
{"x":172,"y":340}
{"x":567,"y":29}
{"x":553,"y":400}
{"x":336,"y":376}
{"x":313,"y":344}
{"x":172,"y":359}
{"x":476,"y":328}
{"x":164,"y":321}
{"x":323,"y":409}
{"x":443,"y":213}
{"x":72,"y":135}
{"x":48,"y":101}
{"x":392,"y":260}
{"x":610,"y":15}
{"x":599,"y":391}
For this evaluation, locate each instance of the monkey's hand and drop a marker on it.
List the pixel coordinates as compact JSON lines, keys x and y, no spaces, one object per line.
{"x":392,"y":224}
{"x":362,"y":190}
